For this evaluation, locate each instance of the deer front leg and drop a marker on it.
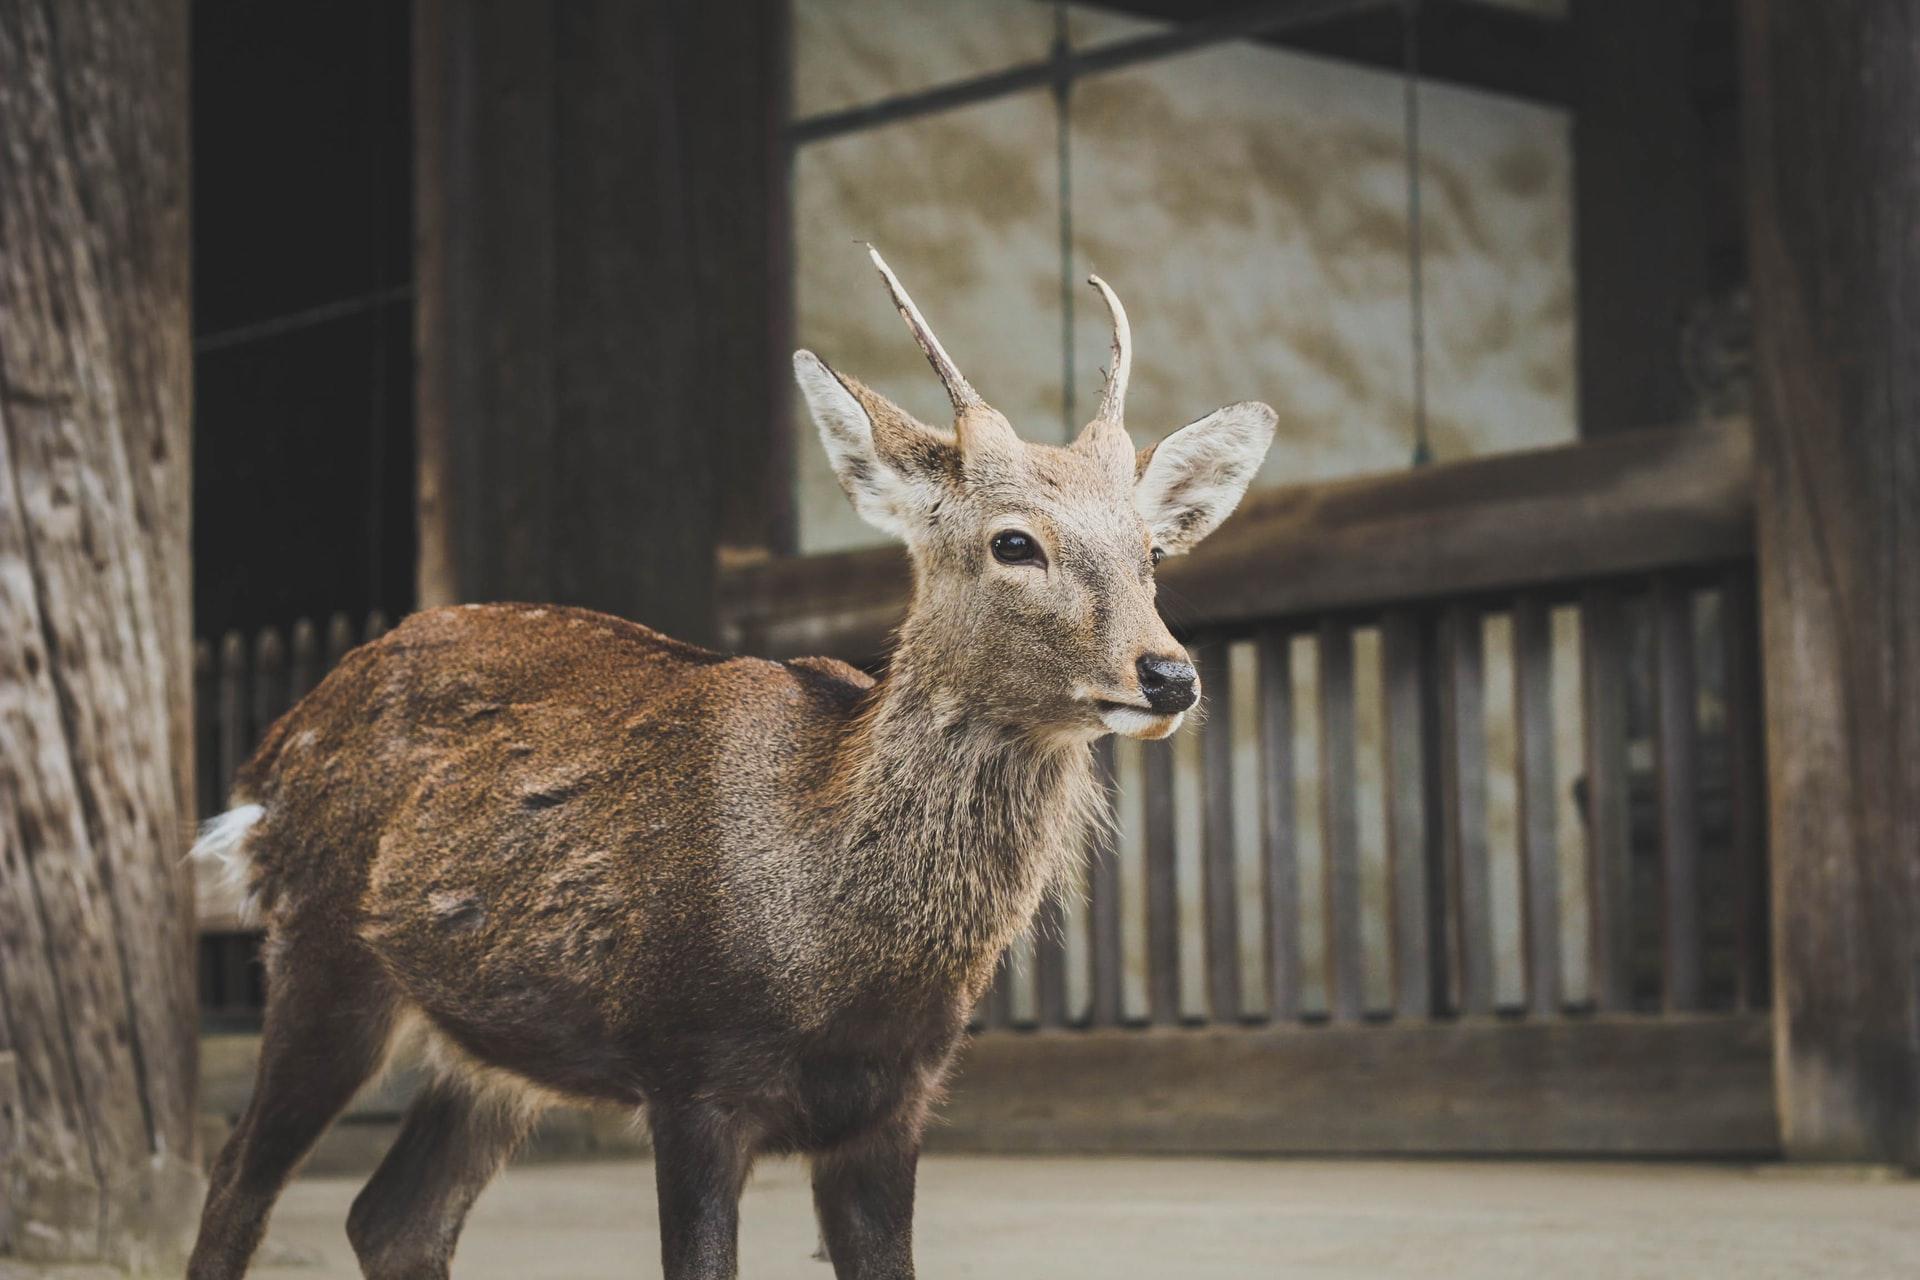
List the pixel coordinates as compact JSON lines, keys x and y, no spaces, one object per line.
{"x":863,"y":1195}
{"x":700,"y":1161}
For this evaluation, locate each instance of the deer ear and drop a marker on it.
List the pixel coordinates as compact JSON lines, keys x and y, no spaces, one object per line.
{"x":1192,"y":480}
{"x":890,"y":465}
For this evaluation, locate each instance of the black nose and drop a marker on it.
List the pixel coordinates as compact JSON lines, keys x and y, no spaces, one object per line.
{"x":1168,"y":684}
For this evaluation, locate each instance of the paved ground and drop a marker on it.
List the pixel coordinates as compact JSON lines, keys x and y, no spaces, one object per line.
{"x":1071,"y":1219}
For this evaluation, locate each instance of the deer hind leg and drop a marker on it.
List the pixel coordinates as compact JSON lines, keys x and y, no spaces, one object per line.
{"x":330,"y":1014}
{"x":407,"y":1219}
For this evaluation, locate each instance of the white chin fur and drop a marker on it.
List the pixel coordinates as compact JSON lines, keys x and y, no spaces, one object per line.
{"x":1130,"y":723}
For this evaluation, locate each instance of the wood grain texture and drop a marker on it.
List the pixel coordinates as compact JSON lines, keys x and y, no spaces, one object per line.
{"x":1832,"y":109}
{"x":96,"y":777}
{"x":1463,"y":757}
{"x":1163,"y":884}
{"x":1539,"y":838}
{"x":1625,"y":504}
{"x":1103,"y":906}
{"x":1746,"y":787}
{"x":1220,"y":883}
{"x":1340,"y":823}
{"x":1410,"y":851}
{"x":1695,"y":1086}
{"x":1619,"y":1087}
{"x":1280,"y":872}
{"x":1603,"y":644}
{"x":1676,"y":769}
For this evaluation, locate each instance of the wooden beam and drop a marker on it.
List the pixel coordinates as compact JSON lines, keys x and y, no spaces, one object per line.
{"x":1638,"y":1087}
{"x":1625,"y":504}
{"x":1473,"y":46}
{"x":1641,"y":239}
{"x":1695,"y":1086}
{"x":1833,"y":108}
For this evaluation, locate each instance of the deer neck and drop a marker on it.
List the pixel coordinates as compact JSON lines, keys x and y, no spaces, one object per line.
{"x":953,"y":828}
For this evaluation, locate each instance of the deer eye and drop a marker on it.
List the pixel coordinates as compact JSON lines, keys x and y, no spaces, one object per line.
{"x":1158,"y":554}
{"x":1015,"y":547}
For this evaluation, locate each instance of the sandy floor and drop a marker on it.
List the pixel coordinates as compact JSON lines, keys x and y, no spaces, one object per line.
{"x":1065,"y":1218}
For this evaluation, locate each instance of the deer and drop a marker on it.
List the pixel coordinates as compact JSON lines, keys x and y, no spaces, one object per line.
{"x":754,"y":902}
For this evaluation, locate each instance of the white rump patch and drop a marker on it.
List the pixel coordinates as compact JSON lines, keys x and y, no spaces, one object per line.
{"x":222,"y":844}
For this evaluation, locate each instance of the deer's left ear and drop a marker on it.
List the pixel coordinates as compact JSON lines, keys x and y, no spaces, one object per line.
{"x":1192,"y":480}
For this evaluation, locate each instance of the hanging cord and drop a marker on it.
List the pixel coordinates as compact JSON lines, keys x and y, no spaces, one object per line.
{"x":1410,"y":80}
{"x":1062,"y":91}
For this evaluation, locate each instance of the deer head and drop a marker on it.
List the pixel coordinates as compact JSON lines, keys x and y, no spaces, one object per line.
{"x":1034,"y":564}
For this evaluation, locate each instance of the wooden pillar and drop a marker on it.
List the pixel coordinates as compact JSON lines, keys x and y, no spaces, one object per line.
{"x":600,"y":291}
{"x":96,"y":993}
{"x":1640,"y":215}
{"x":1833,"y":157}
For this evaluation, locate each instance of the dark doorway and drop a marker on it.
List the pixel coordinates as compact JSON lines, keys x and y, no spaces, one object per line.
{"x":303,"y":311}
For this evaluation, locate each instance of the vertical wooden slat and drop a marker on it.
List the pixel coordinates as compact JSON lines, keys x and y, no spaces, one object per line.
{"x":1464,"y":766}
{"x":234,"y":739}
{"x":303,"y":664}
{"x":1676,"y":774}
{"x":1746,"y":788}
{"x":1281,"y":871}
{"x":996,"y":1007}
{"x":1221,"y":896}
{"x":377,"y":625}
{"x":1050,"y":964}
{"x":1103,"y":903}
{"x":1340,"y":823}
{"x":1406,"y":778}
{"x":206,"y":731}
{"x":1539,"y":843}
{"x":1604,"y":676}
{"x":269,"y":682}
{"x":340,"y":638}
{"x":1163,"y":892}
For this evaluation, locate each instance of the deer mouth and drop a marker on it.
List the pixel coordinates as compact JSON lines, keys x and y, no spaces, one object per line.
{"x":1132,"y":720}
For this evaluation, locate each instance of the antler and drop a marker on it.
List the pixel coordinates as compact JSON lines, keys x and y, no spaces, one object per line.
{"x":1113,"y":398}
{"x":959,"y":390}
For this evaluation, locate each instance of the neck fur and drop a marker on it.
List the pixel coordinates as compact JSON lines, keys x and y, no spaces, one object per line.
{"x":953,"y":828}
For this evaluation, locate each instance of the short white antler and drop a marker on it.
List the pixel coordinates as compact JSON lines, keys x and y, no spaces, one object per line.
{"x":959,"y":390}
{"x":1113,"y":398}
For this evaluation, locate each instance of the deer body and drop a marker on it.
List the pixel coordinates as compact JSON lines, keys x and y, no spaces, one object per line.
{"x":510,"y":860}
{"x":755,"y":899}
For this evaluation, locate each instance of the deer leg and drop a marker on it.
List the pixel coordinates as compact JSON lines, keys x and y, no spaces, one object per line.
{"x":863,"y":1197}
{"x":700,"y":1159}
{"x":407,"y":1219}
{"x":329,"y":1016}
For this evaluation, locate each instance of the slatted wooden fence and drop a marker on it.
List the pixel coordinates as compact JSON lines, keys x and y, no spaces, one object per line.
{"x":1465,"y":855}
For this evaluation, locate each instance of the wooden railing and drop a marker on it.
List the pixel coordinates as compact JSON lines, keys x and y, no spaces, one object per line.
{"x":1480,"y":754}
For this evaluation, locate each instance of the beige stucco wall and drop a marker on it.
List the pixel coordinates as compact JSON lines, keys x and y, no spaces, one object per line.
{"x":1248,"y":203}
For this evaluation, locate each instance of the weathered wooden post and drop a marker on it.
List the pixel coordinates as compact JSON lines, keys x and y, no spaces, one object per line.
{"x":95,"y":680}
{"x":1833,"y":118}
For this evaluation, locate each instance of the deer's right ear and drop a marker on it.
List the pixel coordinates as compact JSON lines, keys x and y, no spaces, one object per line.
{"x":890,"y":465}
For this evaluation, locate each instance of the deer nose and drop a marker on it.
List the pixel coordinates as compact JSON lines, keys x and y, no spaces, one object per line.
{"x":1168,"y":683}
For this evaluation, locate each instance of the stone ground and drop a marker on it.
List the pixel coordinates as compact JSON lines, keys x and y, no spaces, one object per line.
{"x":1112,"y":1219}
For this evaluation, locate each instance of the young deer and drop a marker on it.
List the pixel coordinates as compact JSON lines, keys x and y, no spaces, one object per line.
{"x":756,"y":899}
